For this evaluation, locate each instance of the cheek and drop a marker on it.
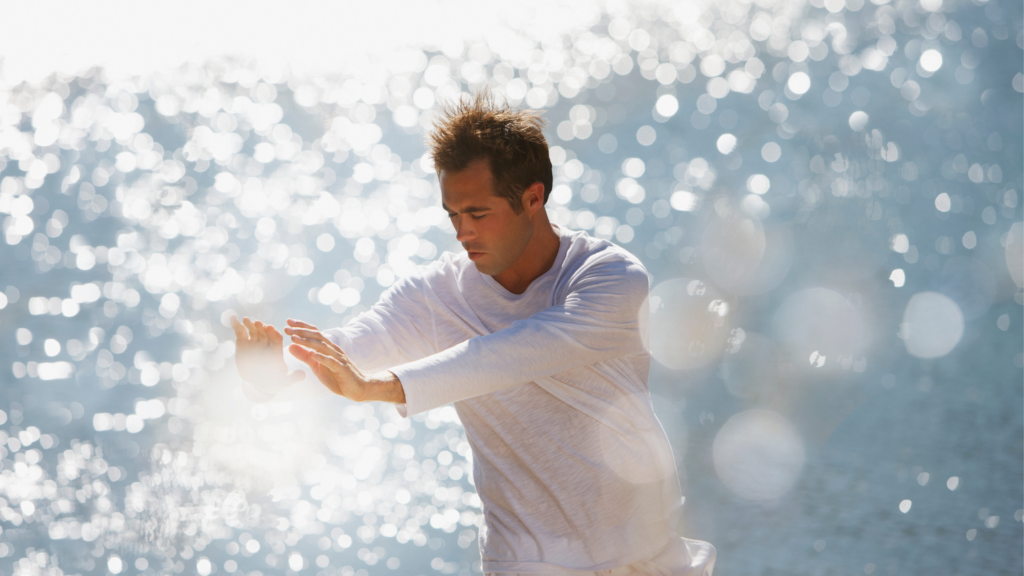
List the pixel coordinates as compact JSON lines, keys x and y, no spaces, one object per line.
{"x":514,"y":235}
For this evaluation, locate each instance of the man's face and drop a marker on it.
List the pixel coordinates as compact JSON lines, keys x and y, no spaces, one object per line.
{"x":493,"y":235}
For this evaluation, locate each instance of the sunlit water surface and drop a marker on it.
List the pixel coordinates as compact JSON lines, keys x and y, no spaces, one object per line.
{"x":827,"y":196}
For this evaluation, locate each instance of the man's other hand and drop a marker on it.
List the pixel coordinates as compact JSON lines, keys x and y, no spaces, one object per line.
{"x":258,"y":354}
{"x":333,"y":368}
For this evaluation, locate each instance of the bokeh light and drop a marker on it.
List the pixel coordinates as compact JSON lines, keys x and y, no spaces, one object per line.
{"x":758,"y":454}
{"x":932,"y":325}
{"x":690,"y":323}
{"x":823,"y":326}
{"x":827,"y":195}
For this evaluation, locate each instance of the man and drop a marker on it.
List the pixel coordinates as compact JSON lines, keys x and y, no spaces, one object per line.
{"x":535,"y":335}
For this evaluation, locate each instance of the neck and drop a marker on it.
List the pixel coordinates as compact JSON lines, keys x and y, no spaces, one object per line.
{"x":536,"y":259}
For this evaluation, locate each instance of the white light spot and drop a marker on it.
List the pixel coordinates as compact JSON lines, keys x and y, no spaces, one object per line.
{"x":905,"y":506}
{"x":169,"y":304}
{"x":646,"y":135}
{"x":633,"y":167}
{"x":726,"y":143}
{"x":799,"y":83}
{"x":755,"y":206}
{"x":899,"y":243}
{"x":134,"y":424}
{"x":1013,"y":242}
{"x":683,"y":334}
{"x":898,"y":277}
{"x":1003,"y":323}
{"x":970,"y":240}
{"x":69,"y":308}
{"x":667,"y":105}
{"x":931,"y":60}
{"x":325,"y":242}
{"x":758,"y":184}
{"x":858,"y":120}
{"x":932,"y":325}
{"x":683,"y":201}
{"x":942,"y":202}
{"x":55,"y":370}
{"x":771,"y":152}
{"x":561,"y":194}
{"x":758,"y":454}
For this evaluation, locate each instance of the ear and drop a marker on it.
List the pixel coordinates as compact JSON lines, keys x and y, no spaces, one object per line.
{"x":533,"y":198}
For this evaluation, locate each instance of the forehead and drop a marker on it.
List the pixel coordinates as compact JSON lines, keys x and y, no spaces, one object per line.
{"x":471,"y":185}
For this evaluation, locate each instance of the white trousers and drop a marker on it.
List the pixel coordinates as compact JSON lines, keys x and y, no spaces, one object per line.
{"x":681,"y":557}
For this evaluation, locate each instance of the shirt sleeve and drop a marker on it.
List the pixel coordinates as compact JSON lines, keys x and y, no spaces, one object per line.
{"x":598,"y":320}
{"x":396,"y":330}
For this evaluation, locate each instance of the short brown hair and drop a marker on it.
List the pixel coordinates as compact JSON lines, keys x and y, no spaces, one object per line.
{"x":510,"y":139}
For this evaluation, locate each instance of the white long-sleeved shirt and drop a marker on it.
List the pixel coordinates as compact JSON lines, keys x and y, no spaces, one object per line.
{"x":572,"y":467}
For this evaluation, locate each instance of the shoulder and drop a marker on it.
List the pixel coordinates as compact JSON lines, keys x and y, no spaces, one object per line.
{"x":432,"y":276}
{"x":589,"y":258}
{"x":587,"y":253}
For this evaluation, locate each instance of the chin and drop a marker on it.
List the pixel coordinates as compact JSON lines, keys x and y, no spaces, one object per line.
{"x":487,"y":268}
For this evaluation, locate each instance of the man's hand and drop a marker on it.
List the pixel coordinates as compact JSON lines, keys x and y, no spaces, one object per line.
{"x":334,"y":369}
{"x":258,"y":354}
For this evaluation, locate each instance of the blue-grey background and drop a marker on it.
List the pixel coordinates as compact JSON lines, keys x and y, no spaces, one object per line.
{"x":830,"y":216}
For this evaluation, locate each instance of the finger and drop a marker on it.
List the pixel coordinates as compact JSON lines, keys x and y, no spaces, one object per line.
{"x":304,"y":354}
{"x":326,"y":360}
{"x":262,"y":329}
{"x":319,"y":346}
{"x":314,"y":359}
{"x":310,"y":334}
{"x":307,"y":357}
{"x":254,"y":335}
{"x":301,"y":324}
{"x":241,"y":334}
{"x":274,"y":335}
{"x":329,"y":362}
{"x":322,"y":373}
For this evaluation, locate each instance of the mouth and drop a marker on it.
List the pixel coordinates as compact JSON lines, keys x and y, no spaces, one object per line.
{"x":473,"y":255}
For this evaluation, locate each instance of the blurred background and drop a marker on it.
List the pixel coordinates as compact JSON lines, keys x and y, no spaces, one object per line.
{"x":826,"y":194}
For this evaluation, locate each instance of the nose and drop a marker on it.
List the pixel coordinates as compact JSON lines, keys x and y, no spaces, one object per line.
{"x":464,"y":230}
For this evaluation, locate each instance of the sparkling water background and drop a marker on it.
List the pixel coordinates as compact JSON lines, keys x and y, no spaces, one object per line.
{"x":826,"y":194}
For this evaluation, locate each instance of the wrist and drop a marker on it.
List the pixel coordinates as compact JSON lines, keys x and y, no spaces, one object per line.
{"x":383,"y":387}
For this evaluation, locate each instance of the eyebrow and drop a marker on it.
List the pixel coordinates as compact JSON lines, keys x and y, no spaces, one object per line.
{"x":467,"y":210}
